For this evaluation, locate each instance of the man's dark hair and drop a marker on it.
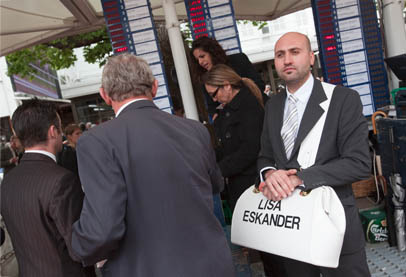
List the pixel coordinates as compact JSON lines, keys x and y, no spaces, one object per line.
{"x":211,"y":46}
{"x":32,"y":120}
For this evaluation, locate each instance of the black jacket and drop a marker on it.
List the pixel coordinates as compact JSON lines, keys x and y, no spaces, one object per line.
{"x":67,"y":159}
{"x":238,"y":130}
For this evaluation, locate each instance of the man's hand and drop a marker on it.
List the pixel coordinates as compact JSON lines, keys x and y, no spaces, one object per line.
{"x":279,"y":184}
{"x":14,"y":160}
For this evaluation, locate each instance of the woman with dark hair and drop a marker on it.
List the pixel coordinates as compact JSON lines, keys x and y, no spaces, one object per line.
{"x":67,"y":157}
{"x":207,"y":52}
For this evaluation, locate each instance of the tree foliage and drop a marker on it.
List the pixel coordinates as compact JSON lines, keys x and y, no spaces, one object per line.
{"x":258,"y":24}
{"x":59,"y":53}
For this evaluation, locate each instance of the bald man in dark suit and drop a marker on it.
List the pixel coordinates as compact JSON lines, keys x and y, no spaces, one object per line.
{"x":341,"y":158}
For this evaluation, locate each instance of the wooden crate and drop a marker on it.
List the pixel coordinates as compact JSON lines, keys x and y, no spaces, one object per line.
{"x":364,"y":188}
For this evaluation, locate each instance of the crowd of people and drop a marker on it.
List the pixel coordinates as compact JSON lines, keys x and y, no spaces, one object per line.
{"x":134,"y":196}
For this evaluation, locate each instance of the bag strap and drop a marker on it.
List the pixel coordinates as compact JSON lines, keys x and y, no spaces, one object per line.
{"x":310,"y":145}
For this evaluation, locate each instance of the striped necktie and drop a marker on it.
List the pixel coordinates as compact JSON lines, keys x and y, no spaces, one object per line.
{"x":290,"y":126}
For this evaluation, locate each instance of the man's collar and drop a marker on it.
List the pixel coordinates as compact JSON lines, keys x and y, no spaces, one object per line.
{"x":304,"y":92}
{"x":46,"y":153}
{"x":129,"y":103}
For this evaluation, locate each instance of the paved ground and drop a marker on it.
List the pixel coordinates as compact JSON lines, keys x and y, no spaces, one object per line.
{"x":383,"y":260}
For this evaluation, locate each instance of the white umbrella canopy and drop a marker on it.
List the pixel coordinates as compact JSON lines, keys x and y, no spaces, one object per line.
{"x":24,"y":23}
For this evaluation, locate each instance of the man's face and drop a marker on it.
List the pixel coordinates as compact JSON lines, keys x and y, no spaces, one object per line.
{"x":293,"y":59}
{"x":16,"y":144}
{"x":73,"y":138}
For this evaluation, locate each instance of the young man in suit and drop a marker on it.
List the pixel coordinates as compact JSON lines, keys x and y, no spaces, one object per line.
{"x":39,"y":199}
{"x":342,"y":156}
{"x":149,"y":179}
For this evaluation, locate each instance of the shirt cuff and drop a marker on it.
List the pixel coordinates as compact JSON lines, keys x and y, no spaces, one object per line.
{"x":262,"y":172}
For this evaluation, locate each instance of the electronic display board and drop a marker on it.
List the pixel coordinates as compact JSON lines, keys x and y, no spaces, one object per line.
{"x":131,"y":29}
{"x":351,"y":49}
{"x":214,"y":18}
{"x":44,"y":82}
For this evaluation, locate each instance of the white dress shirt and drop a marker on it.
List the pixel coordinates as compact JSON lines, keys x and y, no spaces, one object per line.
{"x":46,"y":153}
{"x":129,"y":103}
{"x":303,"y":95}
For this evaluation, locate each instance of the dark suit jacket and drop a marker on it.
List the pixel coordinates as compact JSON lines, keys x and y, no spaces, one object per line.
{"x":238,"y":130}
{"x":6,"y":153}
{"x":39,"y":203}
{"x":148,"y":178}
{"x":343,"y":155}
{"x":67,"y":159}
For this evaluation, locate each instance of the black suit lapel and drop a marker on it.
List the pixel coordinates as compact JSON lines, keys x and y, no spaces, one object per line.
{"x":311,"y":114}
{"x":277,"y":119}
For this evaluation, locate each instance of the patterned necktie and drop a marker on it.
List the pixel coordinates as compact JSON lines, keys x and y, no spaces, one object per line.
{"x":290,"y":126}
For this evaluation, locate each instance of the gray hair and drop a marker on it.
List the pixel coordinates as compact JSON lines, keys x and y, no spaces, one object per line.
{"x":125,"y":76}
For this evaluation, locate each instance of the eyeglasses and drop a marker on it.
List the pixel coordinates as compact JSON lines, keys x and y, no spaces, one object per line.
{"x":213,"y":95}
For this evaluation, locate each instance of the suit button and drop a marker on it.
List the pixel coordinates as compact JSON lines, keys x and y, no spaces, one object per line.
{"x":228,"y":135}
{"x":227,"y":114}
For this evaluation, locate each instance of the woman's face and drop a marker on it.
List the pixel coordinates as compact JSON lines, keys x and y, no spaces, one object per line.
{"x":73,"y":138}
{"x":223,"y":94}
{"x":203,"y":58}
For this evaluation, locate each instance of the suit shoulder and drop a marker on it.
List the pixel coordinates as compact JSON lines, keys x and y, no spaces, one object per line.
{"x":346,"y":94}
{"x":58,"y":172}
{"x":275,"y":97}
{"x":197,"y":125}
{"x":345,"y":90}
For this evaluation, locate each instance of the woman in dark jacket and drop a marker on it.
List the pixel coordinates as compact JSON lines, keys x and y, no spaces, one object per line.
{"x":238,"y":127}
{"x":207,"y":52}
{"x":67,"y":157}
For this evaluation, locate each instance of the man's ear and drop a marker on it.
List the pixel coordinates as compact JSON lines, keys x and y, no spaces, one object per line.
{"x":53,"y":132}
{"x":105,"y":96}
{"x":154,"y":88}
{"x":312,"y":58}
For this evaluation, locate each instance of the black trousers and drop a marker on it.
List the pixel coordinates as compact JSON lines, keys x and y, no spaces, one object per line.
{"x":273,"y":265}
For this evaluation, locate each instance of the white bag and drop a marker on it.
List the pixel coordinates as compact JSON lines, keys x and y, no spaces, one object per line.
{"x":305,"y":228}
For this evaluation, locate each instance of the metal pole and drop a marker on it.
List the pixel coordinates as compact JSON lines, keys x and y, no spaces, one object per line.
{"x":179,"y":57}
{"x":395,"y":33}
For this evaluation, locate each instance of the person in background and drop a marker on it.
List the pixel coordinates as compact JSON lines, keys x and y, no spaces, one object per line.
{"x":88,"y":126}
{"x":11,"y":154}
{"x":82,"y":126}
{"x":39,"y":199}
{"x":268,"y":90}
{"x":148,"y":206}
{"x":207,"y":52}
{"x":342,"y":155}
{"x":67,"y":157}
